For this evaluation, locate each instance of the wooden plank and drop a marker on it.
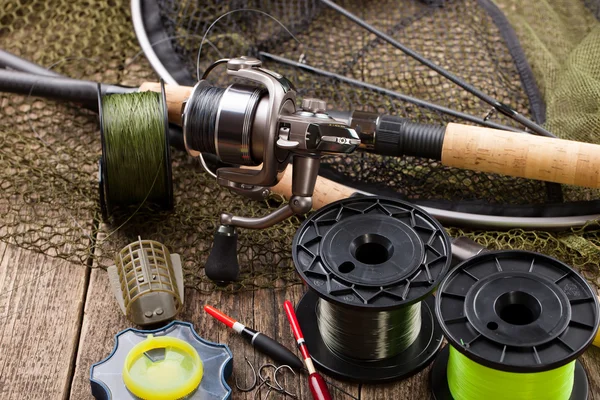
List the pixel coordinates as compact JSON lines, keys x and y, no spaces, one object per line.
{"x":41,"y":305}
{"x":102,"y":320}
{"x":591,"y":363}
{"x":284,"y":333}
{"x":415,"y":387}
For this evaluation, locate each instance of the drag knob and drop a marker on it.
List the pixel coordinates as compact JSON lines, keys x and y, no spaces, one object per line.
{"x":314,"y":105}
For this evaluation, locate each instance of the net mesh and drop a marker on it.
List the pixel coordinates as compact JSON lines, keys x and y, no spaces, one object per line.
{"x":49,"y":151}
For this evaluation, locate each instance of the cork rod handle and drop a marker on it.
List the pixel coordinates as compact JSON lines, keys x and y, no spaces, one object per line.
{"x":526,"y":156}
{"x":176,"y":95}
{"x":326,"y":191}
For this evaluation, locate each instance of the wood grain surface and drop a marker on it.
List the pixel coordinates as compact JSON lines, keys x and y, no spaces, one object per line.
{"x":48,"y":340}
{"x":41,"y":305}
{"x":261,"y":310}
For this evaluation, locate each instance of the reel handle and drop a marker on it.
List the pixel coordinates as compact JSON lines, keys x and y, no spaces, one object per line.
{"x":222,"y":265}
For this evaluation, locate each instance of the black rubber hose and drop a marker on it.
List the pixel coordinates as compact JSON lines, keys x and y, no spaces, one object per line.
{"x":397,"y":137}
{"x":66,"y":89}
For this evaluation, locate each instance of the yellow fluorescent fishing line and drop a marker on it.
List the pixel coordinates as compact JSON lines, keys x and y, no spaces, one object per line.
{"x":471,"y":381}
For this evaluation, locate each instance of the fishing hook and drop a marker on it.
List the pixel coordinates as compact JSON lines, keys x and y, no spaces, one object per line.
{"x":253,"y":386}
{"x":285,"y":392}
{"x":258,"y":390}
{"x":267,"y":380}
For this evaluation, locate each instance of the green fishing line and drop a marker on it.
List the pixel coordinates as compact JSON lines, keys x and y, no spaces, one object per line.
{"x":136,"y":163}
{"x":469,"y":380}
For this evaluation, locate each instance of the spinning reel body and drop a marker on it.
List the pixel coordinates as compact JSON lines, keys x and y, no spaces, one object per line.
{"x":264,"y":129}
{"x":253,"y":127}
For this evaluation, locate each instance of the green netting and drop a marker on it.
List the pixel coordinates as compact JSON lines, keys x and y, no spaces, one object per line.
{"x":49,"y":151}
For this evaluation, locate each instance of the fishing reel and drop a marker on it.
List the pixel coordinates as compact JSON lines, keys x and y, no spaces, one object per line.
{"x":259,"y":129}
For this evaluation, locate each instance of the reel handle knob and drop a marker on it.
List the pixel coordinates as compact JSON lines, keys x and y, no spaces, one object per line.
{"x":222,"y":265}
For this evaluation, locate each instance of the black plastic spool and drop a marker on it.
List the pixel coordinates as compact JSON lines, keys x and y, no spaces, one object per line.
{"x":516,"y":311}
{"x":167,"y":202}
{"x":371,"y":253}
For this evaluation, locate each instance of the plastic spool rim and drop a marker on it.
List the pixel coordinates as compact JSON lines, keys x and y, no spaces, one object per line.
{"x":416,"y":255}
{"x":102,"y":162}
{"x":403,"y":365}
{"x":550,"y":340}
{"x":516,"y":311}
{"x":332,"y":234}
{"x":169,"y":173}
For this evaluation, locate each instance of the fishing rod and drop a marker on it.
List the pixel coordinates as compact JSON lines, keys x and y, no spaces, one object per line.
{"x":455,"y":145}
{"x":261,"y":126}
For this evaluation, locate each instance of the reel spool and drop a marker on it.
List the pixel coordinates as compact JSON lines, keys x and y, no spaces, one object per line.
{"x":371,"y":264}
{"x":514,"y":315}
{"x":147,"y":281}
{"x":135,"y":145}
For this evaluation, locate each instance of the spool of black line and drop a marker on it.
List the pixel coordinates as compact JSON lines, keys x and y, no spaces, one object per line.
{"x":515,"y":321}
{"x":223,"y":122}
{"x":135,"y":166}
{"x":371,"y":264}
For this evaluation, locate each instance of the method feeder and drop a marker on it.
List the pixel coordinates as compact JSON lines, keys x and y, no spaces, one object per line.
{"x":147,"y":281}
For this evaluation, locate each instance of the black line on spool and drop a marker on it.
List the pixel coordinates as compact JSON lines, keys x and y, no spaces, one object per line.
{"x":102,"y":162}
{"x":409,"y":362}
{"x":169,"y":175}
{"x":334,"y":253}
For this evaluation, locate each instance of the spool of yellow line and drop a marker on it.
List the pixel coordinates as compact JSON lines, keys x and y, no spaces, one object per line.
{"x":162,"y":368}
{"x":470,"y":381}
{"x":515,"y":321}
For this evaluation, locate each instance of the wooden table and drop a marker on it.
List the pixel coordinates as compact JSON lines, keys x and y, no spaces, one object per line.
{"x":56,"y":325}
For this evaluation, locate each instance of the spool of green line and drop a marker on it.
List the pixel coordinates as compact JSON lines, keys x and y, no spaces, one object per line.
{"x":135,"y":168}
{"x":516,"y":322}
